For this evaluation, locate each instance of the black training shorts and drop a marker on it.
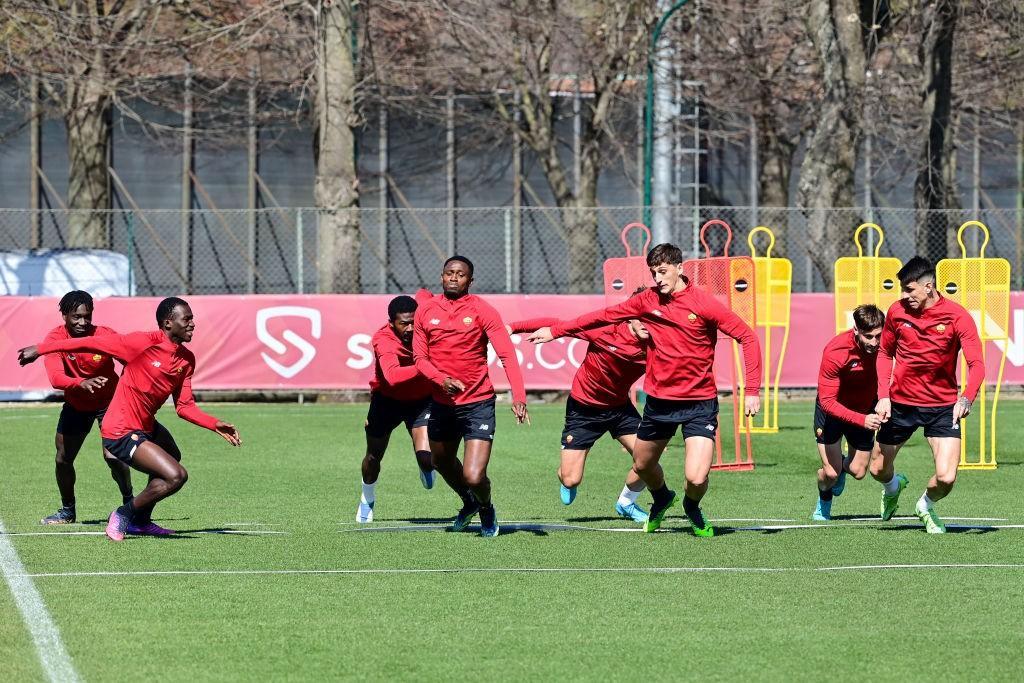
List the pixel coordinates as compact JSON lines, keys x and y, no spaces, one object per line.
{"x":386,"y":413}
{"x":585,"y":424}
{"x":467,"y":422}
{"x":72,"y":421}
{"x":123,"y":448}
{"x":904,"y":421}
{"x":829,"y":429}
{"x":694,"y":418}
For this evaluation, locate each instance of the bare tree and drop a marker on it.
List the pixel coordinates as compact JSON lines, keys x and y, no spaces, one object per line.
{"x":337,"y":180}
{"x":932,"y":189}
{"x":82,"y":51}
{"x":844,"y":39}
{"x":513,"y":54}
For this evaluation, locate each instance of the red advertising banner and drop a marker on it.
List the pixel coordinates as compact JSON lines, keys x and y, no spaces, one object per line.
{"x":323,"y":342}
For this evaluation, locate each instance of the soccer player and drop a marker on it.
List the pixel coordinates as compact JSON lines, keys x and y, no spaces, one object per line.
{"x":599,"y":403}
{"x":917,"y":386}
{"x":450,"y":335}
{"x":88,"y":381}
{"x":847,"y":393}
{"x":683,"y":322}
{"x":398,"y":393}
{"x":157,"y":366}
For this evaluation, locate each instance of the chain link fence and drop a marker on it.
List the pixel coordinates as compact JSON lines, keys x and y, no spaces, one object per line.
{"x":274,"y":251}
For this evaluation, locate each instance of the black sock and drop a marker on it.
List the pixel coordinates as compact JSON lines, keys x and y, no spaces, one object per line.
{"x":127,"y":510}
{"x":825,"y":495}
{"x":422,"y":456}
{"x":690,"y":506}
{"x":468,"y":498}
{"x":663,"y":495}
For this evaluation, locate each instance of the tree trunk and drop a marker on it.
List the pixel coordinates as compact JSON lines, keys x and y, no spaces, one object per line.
{"x":930,"y":188}
{"x":86,"y":116}
{"x":580,"y":218}
{"x":337,"y":180}
{"x":827,"y":172}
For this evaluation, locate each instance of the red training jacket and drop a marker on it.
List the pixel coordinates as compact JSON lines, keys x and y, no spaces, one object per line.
{"x":155,"y":368}
{"x":394,"y":373}
{"x":924,"y":346}
{"x":450,"y":340}
{"x":614,"y":361}
{"x":684,"y":330}
{"x":847,"y":380}
{"x":67,"y":370}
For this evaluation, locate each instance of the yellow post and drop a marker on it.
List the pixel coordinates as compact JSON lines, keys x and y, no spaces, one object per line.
{"x":774,"y":277}
{"x":864,"y":279}
{"x":982,"y":286}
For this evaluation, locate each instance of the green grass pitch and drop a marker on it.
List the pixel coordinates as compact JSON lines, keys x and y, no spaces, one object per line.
{"x":586,"y":603}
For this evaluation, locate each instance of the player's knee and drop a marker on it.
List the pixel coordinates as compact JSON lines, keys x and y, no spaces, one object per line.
{"x":946,"y":478}
{"x":570,"y":479}
{"x":857,"y":470}
{"x":372,"y":461}
{"x":178,"y":479}
{"x":475,"y":477}
{"x":697,"y":481}
{"x":62,"y":458}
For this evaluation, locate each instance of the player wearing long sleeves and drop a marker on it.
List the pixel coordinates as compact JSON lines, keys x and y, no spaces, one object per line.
{"x":599,"y":403}
{"x":847,"y":393}
{"x":683,"y":322}
{"x":88,"y":381}
{"x":924,"y":334}
{"x":157,"y":366}
{"x":398,"y":393}
{"x":450,"y":335}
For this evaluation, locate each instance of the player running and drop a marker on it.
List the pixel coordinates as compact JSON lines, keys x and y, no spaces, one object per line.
{"x":88,"y":381}
{"x":847,"y":393}
{"x":599,"y":403}
{"x":917,"y":386}
{"x":683,"y":322}
{"x":398,"y":393}
{"x":451,"y":332}
{"x":157,"y":366}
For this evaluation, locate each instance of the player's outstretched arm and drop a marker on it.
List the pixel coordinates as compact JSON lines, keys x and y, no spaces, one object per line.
{"x":27,"y":355}
{"x":121,"y":346}
{"x":529,"y":325}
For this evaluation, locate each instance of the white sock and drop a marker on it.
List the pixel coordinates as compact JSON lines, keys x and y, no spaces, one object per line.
{"x":369,"y":494}
{"x":628,"y":497}
{"x":925,"y":501}
{"x":892,"y":486}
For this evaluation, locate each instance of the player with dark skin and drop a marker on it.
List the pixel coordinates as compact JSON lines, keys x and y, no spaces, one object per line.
{"x":76,"y":309}
{"x":451,"y":333}
{"x":377,"y":445}
{"x":455,"y":282}
{"x":144,"y":386}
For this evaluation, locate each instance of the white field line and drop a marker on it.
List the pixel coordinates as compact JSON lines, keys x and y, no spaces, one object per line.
{"x":53,"y":656}
{"x":536,"y":526}
{"x":522,"y":570}
{"x":240,"y":532}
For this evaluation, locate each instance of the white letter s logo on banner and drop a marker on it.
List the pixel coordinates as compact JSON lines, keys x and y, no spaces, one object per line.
{"x":275,"y":345}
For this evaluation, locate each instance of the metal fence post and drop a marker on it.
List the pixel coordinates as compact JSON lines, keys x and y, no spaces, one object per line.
{"x":299,"y":274}
{"x":508,"y":251}
{"x":130,"y":220}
